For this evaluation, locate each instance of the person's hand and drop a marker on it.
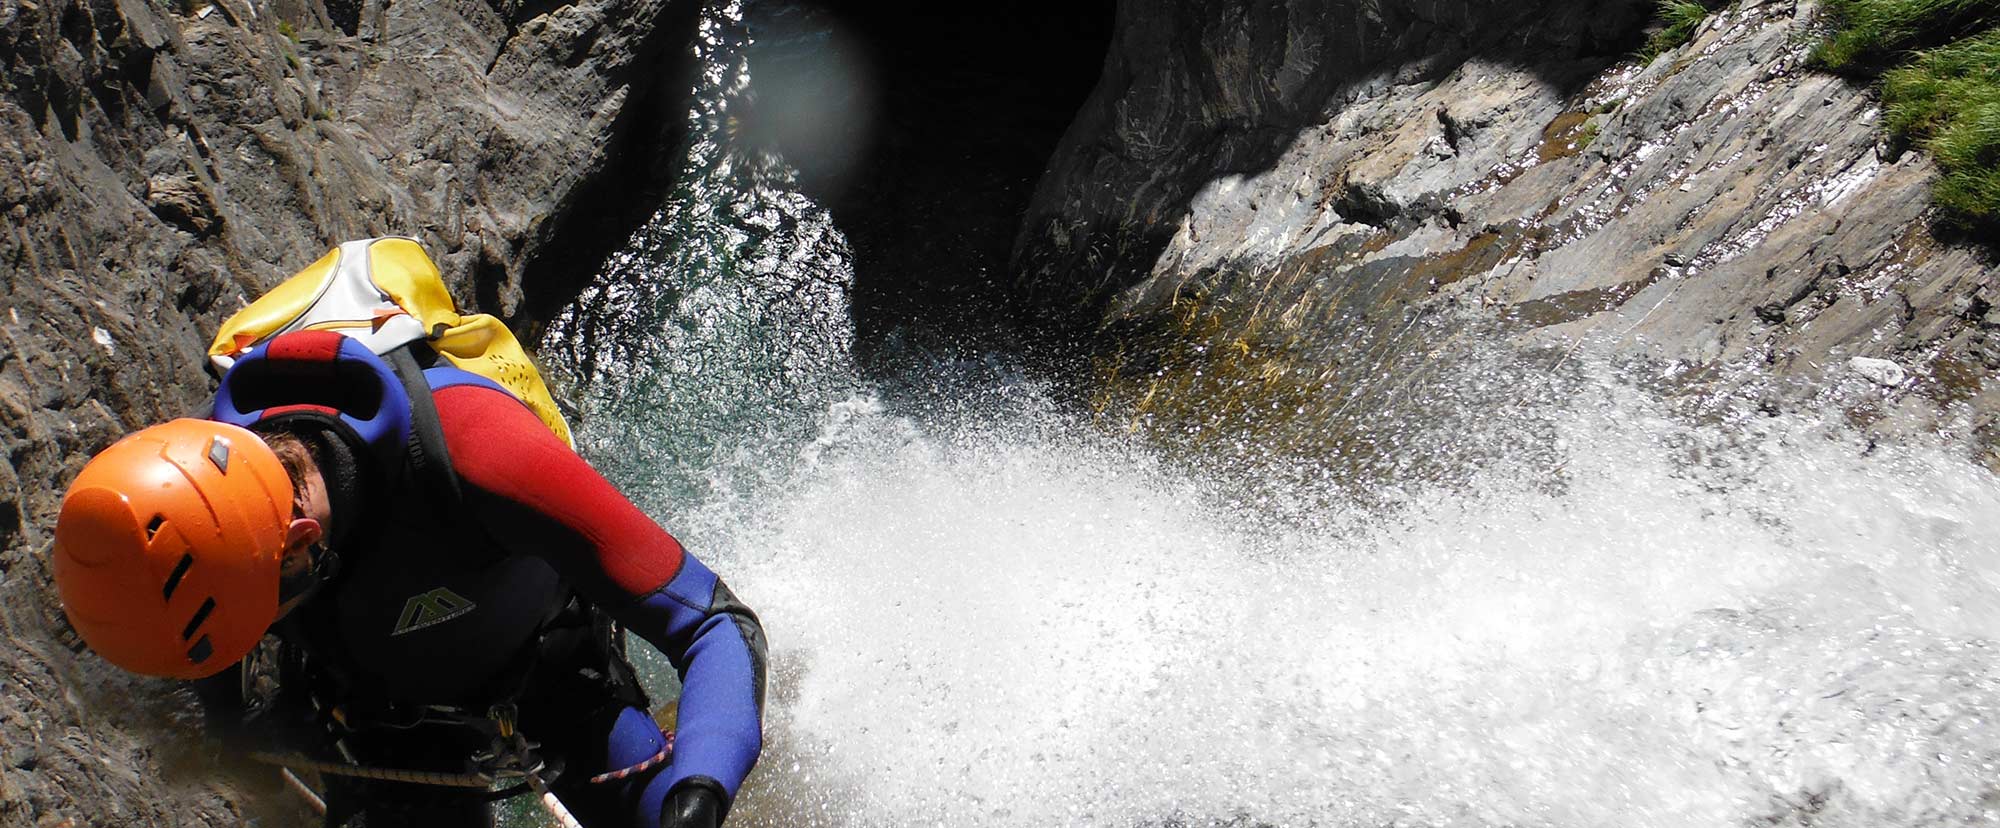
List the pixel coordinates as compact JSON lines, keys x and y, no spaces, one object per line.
{"x":692,"y":806}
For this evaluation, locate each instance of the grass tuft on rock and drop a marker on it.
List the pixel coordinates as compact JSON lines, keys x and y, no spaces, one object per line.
{"x":1940,"y":90}
{"x":1870,"y":35}
{"x":1677,"y":20}
{"x":1948,"y":102}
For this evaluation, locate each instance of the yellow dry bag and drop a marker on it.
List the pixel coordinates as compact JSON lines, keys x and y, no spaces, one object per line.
{"x":387,"y":293}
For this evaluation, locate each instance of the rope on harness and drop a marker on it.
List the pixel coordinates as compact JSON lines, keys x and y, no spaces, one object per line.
{"x":510,"y":758}
{"x":666,"y":750}
{"x":548,"y":798}
{"x":449,"y":780}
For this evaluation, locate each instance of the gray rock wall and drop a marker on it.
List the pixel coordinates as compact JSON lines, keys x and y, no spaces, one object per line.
{"x":161,"y":163}
{"x":1287,"y":246}
{"x":1197,"y":92}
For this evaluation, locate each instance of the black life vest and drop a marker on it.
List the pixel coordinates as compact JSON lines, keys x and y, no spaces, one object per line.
{"x":428,"y":608}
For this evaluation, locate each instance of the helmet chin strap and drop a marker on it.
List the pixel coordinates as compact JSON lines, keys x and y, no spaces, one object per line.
{"x":340,"y":473}
{"x":326,"y":563}
{"x":297,"y":589}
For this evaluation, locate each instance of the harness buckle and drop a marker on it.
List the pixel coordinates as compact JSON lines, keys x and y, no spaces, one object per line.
{"x":512,"y":755}
{"x":503,"y":715}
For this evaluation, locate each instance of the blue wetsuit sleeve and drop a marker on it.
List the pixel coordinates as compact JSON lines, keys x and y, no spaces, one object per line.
{"x":717,"y":646}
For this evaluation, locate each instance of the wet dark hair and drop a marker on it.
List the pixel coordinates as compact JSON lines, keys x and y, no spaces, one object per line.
{"x":304,"y":448}
{"x":300,"y":458}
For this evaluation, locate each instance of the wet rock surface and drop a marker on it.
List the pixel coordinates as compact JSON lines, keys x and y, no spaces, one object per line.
{"x":161,"y":163}
{"x":1309,"y":214}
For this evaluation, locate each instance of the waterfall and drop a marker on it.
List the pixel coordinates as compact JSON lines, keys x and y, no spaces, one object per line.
{"x":987,"y":608}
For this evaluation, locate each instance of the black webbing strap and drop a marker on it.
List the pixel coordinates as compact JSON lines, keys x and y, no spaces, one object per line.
{"x":430,"y":459}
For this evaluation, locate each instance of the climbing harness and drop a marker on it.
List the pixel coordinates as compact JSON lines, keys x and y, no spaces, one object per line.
{"x":511,"y":759}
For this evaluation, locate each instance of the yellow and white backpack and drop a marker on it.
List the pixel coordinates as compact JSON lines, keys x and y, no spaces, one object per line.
{"x":387,"y":293}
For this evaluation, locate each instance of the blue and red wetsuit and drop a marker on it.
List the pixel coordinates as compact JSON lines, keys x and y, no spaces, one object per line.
{"x":458,"y":606}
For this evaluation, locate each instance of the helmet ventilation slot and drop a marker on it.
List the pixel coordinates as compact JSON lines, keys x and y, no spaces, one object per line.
{"x":200,"y":615}
{"x":153,"y":526}
{"x":180,"y":571}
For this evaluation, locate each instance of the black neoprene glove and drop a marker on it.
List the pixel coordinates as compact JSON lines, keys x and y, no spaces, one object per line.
{"x":692,"y":806}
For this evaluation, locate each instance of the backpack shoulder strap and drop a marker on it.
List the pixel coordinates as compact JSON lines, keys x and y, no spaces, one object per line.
{"x":429,"y":457}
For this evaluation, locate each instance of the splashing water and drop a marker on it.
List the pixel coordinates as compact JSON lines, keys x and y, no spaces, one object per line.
{"x":1026,"y":623}
{"x":1005,"y":616}
{"x":985,"y":610}
{"x":728,"y":304}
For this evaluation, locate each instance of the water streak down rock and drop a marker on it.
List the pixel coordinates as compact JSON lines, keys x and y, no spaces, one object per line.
{"x":1292,"y":188}
{"x":161,"y":163}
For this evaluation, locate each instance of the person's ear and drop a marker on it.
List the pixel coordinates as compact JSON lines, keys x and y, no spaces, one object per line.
{"x":302,"y":533}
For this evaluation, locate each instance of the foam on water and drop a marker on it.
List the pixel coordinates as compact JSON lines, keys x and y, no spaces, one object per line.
{"x":1021,"y":621}
{"x":984,"y":612}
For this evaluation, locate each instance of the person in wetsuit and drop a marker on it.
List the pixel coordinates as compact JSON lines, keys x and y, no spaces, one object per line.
{"x":439,"y":558}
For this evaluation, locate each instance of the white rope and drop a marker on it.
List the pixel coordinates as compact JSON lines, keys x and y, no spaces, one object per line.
{"x":554,"y":805}
{"x":299,"y":787}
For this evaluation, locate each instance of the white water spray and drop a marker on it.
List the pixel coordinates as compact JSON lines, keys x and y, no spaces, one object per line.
{"x":1000,"y":616}
{"x":1026,"y":623}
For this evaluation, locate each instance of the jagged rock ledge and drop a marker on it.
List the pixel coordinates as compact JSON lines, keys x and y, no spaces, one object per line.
{"x":1263,"y":209}
{"x":161,"y":163}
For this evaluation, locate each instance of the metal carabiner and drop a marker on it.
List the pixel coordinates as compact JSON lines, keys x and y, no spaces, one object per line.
{"x":504,"y":715}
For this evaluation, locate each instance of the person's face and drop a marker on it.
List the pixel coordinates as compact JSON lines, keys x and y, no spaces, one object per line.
{"x":297,"y":578}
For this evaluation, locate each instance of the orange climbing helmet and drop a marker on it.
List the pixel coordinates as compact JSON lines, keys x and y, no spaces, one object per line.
{"x":168,"y":546}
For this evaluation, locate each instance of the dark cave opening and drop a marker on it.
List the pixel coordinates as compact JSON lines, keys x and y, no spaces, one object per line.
{"x":924,"y":128}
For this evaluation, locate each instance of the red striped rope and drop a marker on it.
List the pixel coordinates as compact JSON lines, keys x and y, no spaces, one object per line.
{"x":665,"y":751}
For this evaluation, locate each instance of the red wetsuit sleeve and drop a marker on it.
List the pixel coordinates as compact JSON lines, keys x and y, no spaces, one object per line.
{"x":539,"y":497}
{"x":536,"y":496}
